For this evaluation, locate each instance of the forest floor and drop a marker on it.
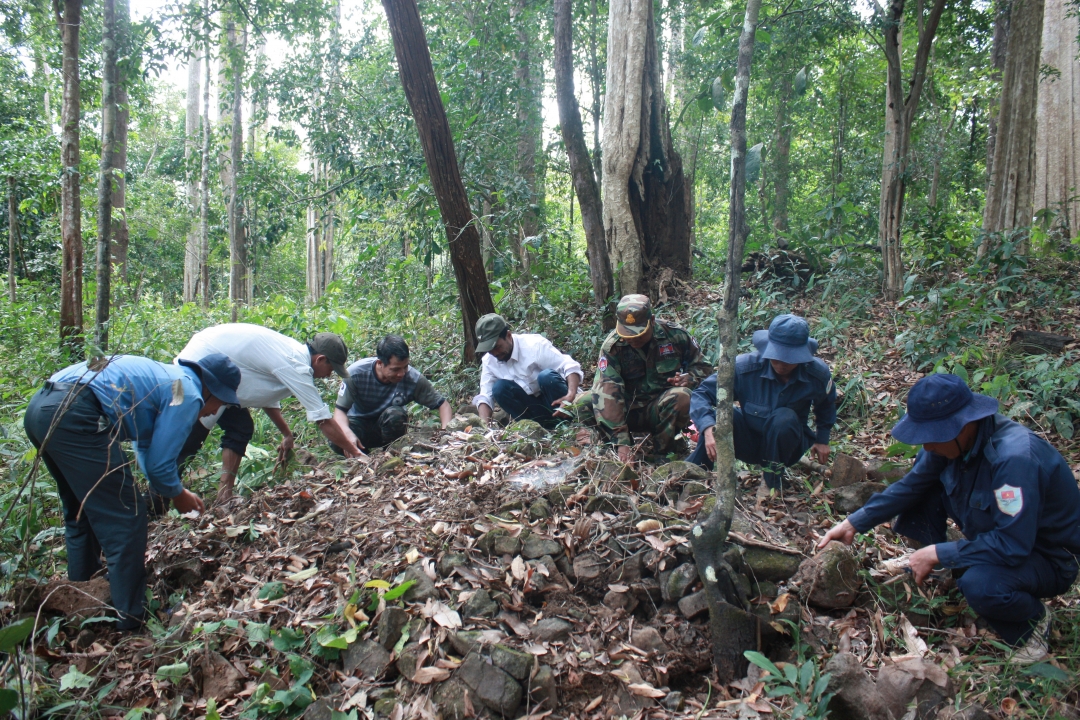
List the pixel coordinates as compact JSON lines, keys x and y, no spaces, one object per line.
{"x":514,"y":572}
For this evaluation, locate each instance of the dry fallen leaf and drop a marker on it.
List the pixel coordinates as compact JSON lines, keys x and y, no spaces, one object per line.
{"x":428,"y":675}
{"x":646,"y":690}
{"x":780,"y":604}
{"x":649,"y":525}
{"x":594,"y":703}
{"x":617,"y":588}
{"x":517,"y":568}
{"x":412,"y":555}
{"x":1008,"y":706}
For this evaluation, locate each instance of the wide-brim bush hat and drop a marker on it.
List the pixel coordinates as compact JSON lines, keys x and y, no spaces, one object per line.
{"x":219,"y":375}
{"x":788,"y":340}
{"x":938,"y":408}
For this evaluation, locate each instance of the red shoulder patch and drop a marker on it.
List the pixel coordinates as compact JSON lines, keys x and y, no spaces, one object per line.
{"x":602,"y":365}
{"x":667,"y":349}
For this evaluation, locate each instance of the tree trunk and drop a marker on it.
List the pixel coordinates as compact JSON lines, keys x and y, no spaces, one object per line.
{"x":596,"y":74}
{"x":529,"y":127}
{"x":69,"y":19}
{"x":204,"y":172}
{"x":316,"y":282}
{"x":120,"y":235}
{"x":463,"y":239}
{"x":900,"y":116}
{"x":581,"y":170}
{"x":781,"y":153}
{"x":997,"y":55}
{"x":238,"y":266}
{"x":1010,"y":191}
{"x":192,"y":256}
{"x":1057,"y":145}
{"x":13,"y":234}
{"x":109,"y":80}
{"x":648,"y":218}
{"x":733,"y":629}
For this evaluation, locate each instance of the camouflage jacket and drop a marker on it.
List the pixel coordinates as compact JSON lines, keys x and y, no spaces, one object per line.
{"x":628,"y":378}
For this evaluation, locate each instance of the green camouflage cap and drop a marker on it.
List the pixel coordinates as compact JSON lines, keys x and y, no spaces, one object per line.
{"x":488,"y":330}
{"x":333,"y":347}
{"x":635,"y":315}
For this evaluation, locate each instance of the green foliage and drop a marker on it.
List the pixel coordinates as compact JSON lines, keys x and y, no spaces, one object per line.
{"x":803,"y":683}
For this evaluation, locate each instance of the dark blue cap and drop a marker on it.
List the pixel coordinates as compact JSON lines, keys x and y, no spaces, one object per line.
{"x":219,"y":374}
{"x":788,"y":340}
{"x":938,"y":408}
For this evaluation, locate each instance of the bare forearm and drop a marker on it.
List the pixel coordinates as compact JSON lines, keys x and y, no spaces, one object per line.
{"x":572,"y":384}
{"x":338,"y":435}
{"x":445,"y":414}
{"x":485,"y":412}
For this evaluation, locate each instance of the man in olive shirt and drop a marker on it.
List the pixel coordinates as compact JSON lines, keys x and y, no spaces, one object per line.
{"x":372,"y":400}
{"x":644,"y":377}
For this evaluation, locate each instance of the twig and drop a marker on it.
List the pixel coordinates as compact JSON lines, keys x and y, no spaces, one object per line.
{"x":743,"y":540}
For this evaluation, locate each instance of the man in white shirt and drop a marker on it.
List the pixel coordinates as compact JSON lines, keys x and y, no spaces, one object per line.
{"x":525,"y":374}
{"x":272,"y":367}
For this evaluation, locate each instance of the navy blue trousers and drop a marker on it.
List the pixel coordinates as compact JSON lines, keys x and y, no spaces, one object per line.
{"x":782,"y":440}
{"x":93,"y":474}
{"x":520,"y":405}
{"x":1007,"y":597}
{"x":380,"y":431}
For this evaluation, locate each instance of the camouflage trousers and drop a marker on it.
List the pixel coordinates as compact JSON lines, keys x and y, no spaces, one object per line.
{"x":664,"y":417}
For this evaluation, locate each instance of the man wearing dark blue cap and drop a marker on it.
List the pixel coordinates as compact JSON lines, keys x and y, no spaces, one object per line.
{"x":1009,"y":491}
{"x":77,"y":421}
{"x":776,"y":386}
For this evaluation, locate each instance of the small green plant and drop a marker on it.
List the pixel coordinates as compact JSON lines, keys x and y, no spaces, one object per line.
{"x":802,"y":681}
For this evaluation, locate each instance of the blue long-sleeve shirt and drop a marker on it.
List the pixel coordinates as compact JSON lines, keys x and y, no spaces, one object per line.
{"x":138,"y":393}
{"x":759,"y":391}
{"x":1013,"y":494}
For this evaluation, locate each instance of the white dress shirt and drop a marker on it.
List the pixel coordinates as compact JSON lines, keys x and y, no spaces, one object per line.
{"x":272,"y":366}
{"x":532,"y":355}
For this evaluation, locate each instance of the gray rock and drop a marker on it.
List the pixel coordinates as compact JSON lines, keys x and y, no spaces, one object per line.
{"x":451,"y":561}
{"x":674,"y":701}
{"x":467,"y":409}
{"x":408,"y":661}
{"x":856,"y":697}
{"x":625,"y":601}
{"x":389,"y":628}
{"x":887,"y":471}
{"x":608,"y":471}
{"x":486,"y":542}
{"x":692,"y":490}
{"x":389,"y":464}
{"x":679,"y":582}
{"x":551,"y":630}
{"x":542,"y":688}
{"x":507,"y":545}
{"x":971,"y":712}
{"x":679,"y":470}
{"x":734,"y":557}
{"x":529,"y":429}
{"x":465,"y":641}
{"x":367,"y":656}
{"x":915,"y":682}
{"x":629,"y":571}
{"x":588,"y":566}
{"x":480,"y":604}
{"x":424,"y":587}
{"x":649,"y":639}
{"x":514,"y":662}
{"x":847,"y":470}
{"x":770,"y":565}
{"x":848,"y":499}
{"x":460,"y":422}
{"x":648,"y":591}
{"x":608,"y":503}
{"x":449,"y":699}
{"x":385,"y":707}
{"x":765,"y":588}
{"x":557,"y":496}
{"x":540,"y":509}
{"x":626,"y":703}
{"x":830,"y":577}
{"x":321,"y":709}
{"x":694,"y":605}
{"x":536,"y":546}
{"x":494,"y":687}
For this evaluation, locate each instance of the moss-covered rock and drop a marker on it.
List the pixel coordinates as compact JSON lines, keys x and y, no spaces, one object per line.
{"x":764,"y":564}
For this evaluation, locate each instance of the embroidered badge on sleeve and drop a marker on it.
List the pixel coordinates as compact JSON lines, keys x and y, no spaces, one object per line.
{"x":668,"y":349}
{"x":1010,"y":500}
{"x":602,"y":365}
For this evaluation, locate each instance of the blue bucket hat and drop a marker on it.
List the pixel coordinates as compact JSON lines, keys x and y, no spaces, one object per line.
{"x":219,"y":374}
{"x":787,"y":340}
{"x":938,"y":408}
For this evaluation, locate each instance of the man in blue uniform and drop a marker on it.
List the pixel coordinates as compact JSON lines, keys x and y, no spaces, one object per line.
{"x":775,"y":385}
{"x":77,"y":421}
{"x":1009,"y":491}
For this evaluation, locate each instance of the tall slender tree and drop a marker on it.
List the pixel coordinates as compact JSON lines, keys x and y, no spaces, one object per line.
{"x":422,"y":92}
{"x":900,"y":113}
{"x":204,"y":171}
{"x":13,"y":235}
{"x":581,"y":170}
{"x":193,"y":248}
{"x":238,"y":263}
{"x":69,"y":21}
{"x":733,"y":629}
{"x":109,"y":81}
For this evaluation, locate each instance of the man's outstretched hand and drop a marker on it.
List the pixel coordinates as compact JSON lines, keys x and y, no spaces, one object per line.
{"x":187,"y":501}
{"x":821,"y":452}
{"x":922,"y":563}
{"x":284,"y":450}
{"x":626,"y":453}
{"x":844,"y":532}
{"x":710,"y":443}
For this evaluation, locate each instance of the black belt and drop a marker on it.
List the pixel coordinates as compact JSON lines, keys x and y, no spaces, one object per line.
{"x":62,"y":386}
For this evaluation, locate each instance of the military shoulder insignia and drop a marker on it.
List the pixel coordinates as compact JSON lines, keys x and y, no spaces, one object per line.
{"x":1010,"y":500}
{"x":602,"y":365}
{"x":667,"y":349}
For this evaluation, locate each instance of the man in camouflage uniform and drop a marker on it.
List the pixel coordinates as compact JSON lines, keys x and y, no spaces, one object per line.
{"x":646,"y":372}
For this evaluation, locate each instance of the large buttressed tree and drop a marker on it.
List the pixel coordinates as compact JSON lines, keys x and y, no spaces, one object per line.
{"x":648,"y":213}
